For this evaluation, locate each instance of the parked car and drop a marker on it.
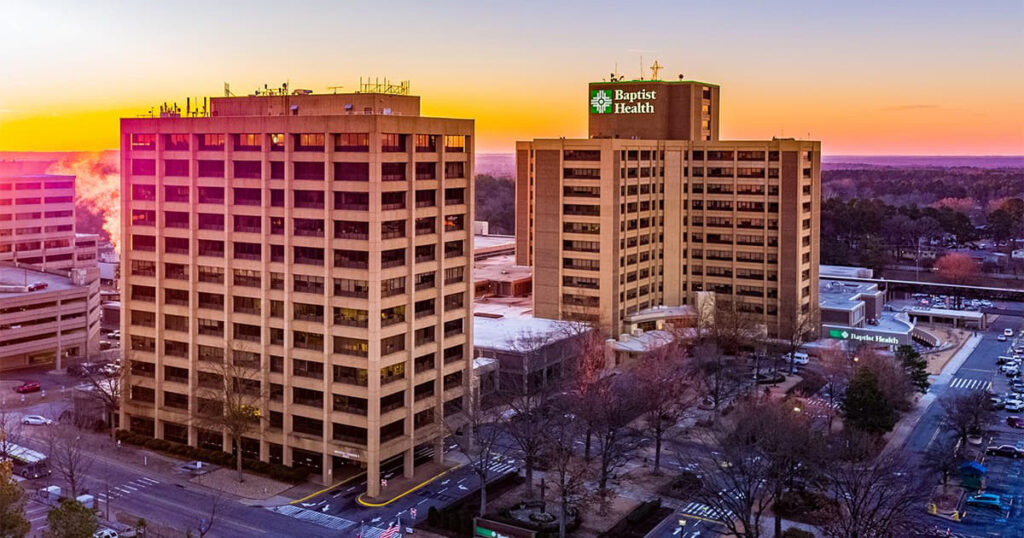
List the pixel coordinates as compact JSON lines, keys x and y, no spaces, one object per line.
{"x":105,"y":533}
{"x":987,"y":500}
{"x":1009,"y":368}
{"x":1008,"y":451}
{"x":1014,"y":405}
{"x":997,"y":402}
{"x":1004,"y":359}
{"x":36,"y":420}
{"x":1001,"y":338}
{"x":1017,"y":386}
{"x":799,"y":357}
{"x":1015,"y":422}
{"x":28,"y":386}
{"x":1007,"y":332}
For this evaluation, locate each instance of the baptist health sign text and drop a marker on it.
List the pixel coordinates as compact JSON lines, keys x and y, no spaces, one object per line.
{"x":622,"y":102}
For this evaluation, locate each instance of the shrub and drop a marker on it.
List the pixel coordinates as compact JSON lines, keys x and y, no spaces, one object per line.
{"x":433,"y":516}
{"x":794,"y":532}
{"x":644,"y":511}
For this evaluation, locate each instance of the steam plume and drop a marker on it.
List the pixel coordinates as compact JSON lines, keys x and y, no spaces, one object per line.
{"x":97,"y":187}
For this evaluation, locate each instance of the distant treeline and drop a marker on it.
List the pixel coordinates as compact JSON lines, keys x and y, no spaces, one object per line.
{"x":959,"y":187}
{"x":496,"y":203}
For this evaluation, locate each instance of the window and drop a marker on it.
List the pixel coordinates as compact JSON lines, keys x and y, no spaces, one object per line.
{"x":349,"y":346}
{"x":357,"y":201}
{"x":309,"y":142}
{"x":392,"y":229}
{"x":247,"y":278}
{"x":454,"y":196}
{"x":211,"y":274}
{"x":453,"y":301}
{"x":248,"y":142}
{"x":453,"y":275}
{"x":581,"y":155}
{"x":176,"y":167}
{"x":308,"y":426}
{"x":351,"y":171}
{"x":309,"y":227}
{"x":426,"y":171}
{"x":348,"y":375}
{"x":212,"y":248}
{"x":309,"y":256}
{"x":311,"y":369}
{"x":143,"y":167}
{"x":455,"y":143}
{"x":313,"y":171}
{"x":392,"y":142}
{"x":392,"y":258}
{"x":392,"y":344}
{"x":426,"y":198}
{"x":356,"y":142}
{"x":454,"y":170}
{"x":176,"y":271}
{"x":351,"y":317}
{"x":141,"y":141}
{"x":143,"y":268}
{"x":308,"y":284}
{"x":211,"y":195}
{"x":176,"y":245}
{"x":345,"y":287}
{"x":248,"y":169}
{"x":247,"y":196}
{"x":351,"y":258}
{"x":392,"y":200}
{"x":247,"y":251}
{"x":426,"y":143}
{"x":144,"y":193}
{"x":306,"y":340}
{"x":247,"y":224}
{"x":392,"y":171}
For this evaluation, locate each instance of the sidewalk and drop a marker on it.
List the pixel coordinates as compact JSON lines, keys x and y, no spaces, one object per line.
{"x":400,"y":486}
{"x":906,"y":425}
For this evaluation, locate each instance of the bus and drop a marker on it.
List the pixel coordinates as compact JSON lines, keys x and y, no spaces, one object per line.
{"x":26,"y":462}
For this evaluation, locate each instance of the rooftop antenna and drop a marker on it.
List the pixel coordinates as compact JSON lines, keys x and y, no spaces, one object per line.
{"x":227,"y":90}
{"x":641,"y":67}
{"x":335,"y":89}
{"x":615,"y":74}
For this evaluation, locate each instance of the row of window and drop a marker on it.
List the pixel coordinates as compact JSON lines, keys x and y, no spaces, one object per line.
{"x":305,"y":199}
{"x":354,"y":142}
{"x":343,"y":229}
{"x":34,"y":215}
{"x":36,"y":185}
{"x":311,"y":171}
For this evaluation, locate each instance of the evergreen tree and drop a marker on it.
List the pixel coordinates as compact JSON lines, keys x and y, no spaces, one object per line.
{"x":916,"y":366}
{"x":12,"y":505}
{"x":71,"y":520}
{"x":865,"y":406}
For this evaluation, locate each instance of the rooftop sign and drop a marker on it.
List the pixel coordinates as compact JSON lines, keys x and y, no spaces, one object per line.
{"x":844,"y":334}
{"x":617,"y":101}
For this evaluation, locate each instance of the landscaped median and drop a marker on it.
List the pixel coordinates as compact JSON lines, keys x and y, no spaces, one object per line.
{"x":293,"y":475}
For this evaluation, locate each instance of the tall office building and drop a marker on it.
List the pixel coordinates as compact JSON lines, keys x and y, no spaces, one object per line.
{"x":37,"y":220}
{"x":324,"y":240}
{"x":653,"y":209}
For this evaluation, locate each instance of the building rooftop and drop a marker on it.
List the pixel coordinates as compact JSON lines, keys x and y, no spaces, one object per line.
{"x":642,"y":343}
{"x":499,"y":307}
{"x":13,"y":281}
{"x":841,"y":295}
{"x":518,"y":333}
{"x":490,"y":241}
{"x":844,"y":271}
{"x":500,"y":269}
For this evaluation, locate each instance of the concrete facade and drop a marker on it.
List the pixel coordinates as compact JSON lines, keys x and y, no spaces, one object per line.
{"x":328,"y":238}
{"x":616,"y":224}
{"x":48,"y":317}
{"x":37,"y":220}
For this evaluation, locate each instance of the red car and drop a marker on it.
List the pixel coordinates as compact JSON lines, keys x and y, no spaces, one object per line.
{"x":1015,"y":422}
{"x":28,"y":386}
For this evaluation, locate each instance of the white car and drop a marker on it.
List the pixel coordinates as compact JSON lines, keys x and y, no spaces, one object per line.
{"x":1009,"y":369}
{"x":105,"y":533}
{"x":36,"y":420}
{"x":1014,"y":405}
{"x":799,"y":357}
{"x":1007,"y":332}
{"x":1001,"y":338}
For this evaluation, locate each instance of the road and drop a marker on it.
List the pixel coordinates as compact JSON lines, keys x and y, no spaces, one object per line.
{"x":171,"y":501}
{"x":1004,"y":476}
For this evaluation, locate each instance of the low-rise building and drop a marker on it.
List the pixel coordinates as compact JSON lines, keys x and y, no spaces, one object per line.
{"x":856,"y":311}
{"x":48,"y":317}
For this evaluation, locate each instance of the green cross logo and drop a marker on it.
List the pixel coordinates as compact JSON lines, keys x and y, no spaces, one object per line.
{"x":600,"y":102}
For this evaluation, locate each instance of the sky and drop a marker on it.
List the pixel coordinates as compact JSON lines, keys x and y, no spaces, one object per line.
{"x":866,"y":78}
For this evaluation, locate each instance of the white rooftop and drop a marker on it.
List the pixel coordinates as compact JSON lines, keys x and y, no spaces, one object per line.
{"x":520,"y":333}
{"x":491,"y":241}
{"x":647,"y":341}
{"x":841,"y":271}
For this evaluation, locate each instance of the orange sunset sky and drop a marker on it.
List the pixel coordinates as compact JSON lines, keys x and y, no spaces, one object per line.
{"x":913,"y":77}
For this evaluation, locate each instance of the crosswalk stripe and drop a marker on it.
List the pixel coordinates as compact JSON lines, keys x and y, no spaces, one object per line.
{"x":133,"y":488}
{"x":150,"y":480}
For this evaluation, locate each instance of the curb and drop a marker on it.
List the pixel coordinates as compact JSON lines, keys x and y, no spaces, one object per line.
{"x":360,"y":500}
{"x":328,"y":488}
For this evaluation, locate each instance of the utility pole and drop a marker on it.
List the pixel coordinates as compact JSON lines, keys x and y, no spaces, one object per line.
{"x":106,"y":500}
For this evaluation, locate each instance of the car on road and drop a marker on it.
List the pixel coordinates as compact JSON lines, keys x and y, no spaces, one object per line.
{"x":1014,"y":406}
{"x":1005,"y":359}
{"x":1008,"y":451}
{"x":1007,"y":332}
{"x":987,"y":500}
{"x":28,"y":386}
{"x":1009,"y":368}
{"x":997,"y":402}
{"x":1017,"y":386}
{"x":1015,"y":422}
{"x":1001,"y":338}
{"x":105,"y":533}
{"x":36,"y":420}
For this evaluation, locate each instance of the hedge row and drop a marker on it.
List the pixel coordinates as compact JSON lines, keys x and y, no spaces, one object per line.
{"x":637,"y":522}
{"x":276,"y":471}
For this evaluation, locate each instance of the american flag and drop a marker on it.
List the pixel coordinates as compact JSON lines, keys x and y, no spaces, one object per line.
{"x":391,"y":531}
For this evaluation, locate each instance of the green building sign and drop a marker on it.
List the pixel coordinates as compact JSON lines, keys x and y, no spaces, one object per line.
{"x":845,"y":334}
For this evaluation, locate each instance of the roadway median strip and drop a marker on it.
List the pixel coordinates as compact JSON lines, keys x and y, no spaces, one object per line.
{"x":360,"y":500}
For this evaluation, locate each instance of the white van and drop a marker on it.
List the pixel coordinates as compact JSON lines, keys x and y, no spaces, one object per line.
{"x":799,"y":357}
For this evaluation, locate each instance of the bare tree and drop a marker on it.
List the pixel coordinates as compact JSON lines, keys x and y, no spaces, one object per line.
{"x":68,"y":454}
{"x":942,"y":457}
{"x":585,"y":374}
{"x":529,"y":402}
{"x":718,"y":374}
{"x":106,"y":390}
{"x":880,"y":498}
{"x":957,"y":268}
{"x":566,"y":469}
{"x":10,"y":429}
{"x":735,"y":485}
{"x":229,"y":400}
{"x":477,"y":436}
{"x":836,"y":370}
{"x":616,"y":404}
{"x":665,"y":393}
{"x":966,"y":413}
{"x":796,"y":329}
{"x":781,"y":435}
